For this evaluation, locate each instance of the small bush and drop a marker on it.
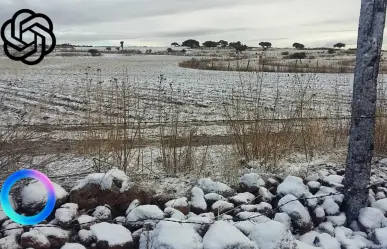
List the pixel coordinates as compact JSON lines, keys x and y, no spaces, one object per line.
{"x":331,"y":51}
{"x":298,"y":56}
{"x":94,"y":52}
{"x":285,"y":53}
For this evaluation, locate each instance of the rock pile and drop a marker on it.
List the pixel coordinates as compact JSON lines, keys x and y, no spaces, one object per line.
{"x":287,"y":213}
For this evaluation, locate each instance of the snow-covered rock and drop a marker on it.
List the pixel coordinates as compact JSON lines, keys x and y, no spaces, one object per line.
{"x":102,"y":213}
{"x":314,"y":186}
{"x":198,"y":203}
{"x":180,"y":204}
{"x":265,"y":195}
{"x":171,"y":235}
{"x":73,"y":246}
{"x":34,"y":196}
{"x":112,"y":188}
{"x":328,"y":192}
{"x":265,"y":209}
{"x":86,"y":237}
{"x":57,"y":236}
{"x":210,"y":215}
{"x":313,"y":177}
{"x":347,"y":242}
{"x":211,"y":198}
{"x":381,"y":204}
{"x":333,"y":180}
{"x":34,"y":239}
{"x":272,"y":235}
{"x":380,"y":196}
{"x":242,"y":198}
{"x":223,"y":235}
{"x":303,"y":245}
{"x":318,"y":215}
{"x":298,"y":213}
{"x":120,"y":220}
{"x":284,"y":219}
{"x":331,"y":208}
{"x":251,"y":183}
{"x":66,"y":213}
{"x":325,"y":241}
{"x":370,"y":218}
{"x":337,"y":220}
{"x":86,"y":221}
{"x":251,"y":216}
{"x":112,"y":235}
{"x":174,"y":213}
{"x":309,"y":200}
{"x":292,"y":185}
{"x":272,"y":185}
{"x":309,"y":237}
{"x":200,"y":224}
{"x":132,"y":206}
{"x":11,"y":228}
{"x":221,"y":207}
{"x":9,"y":242}
{"x":209,"y":186}
{"x":248,"y":208}
{"x":326,"y":227}
{"x":380,"y":236}
{"x":136,"y":218}
{"x":246,"y":226}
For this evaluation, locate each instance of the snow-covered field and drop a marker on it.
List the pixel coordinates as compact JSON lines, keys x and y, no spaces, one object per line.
{"x":58,"y":95}
{"x":55,"y":90}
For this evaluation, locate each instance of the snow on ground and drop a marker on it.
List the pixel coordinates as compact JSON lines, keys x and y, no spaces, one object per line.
{"x":56,"y":87}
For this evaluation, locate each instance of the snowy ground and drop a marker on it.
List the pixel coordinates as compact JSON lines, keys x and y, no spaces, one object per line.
{"x":53,"y":96}
{"x":55,"y":89}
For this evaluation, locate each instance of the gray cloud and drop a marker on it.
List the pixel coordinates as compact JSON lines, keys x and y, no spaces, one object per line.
{"x":155,"y":22}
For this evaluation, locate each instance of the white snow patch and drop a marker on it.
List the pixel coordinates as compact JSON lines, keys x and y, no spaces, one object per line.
{"x":172,"y":235}
{"x":371,"y":218}
{"x":326,"y":241}
{"x":112,"y":233}
{"x":381,"y":236}
{"x":252,"y":180}
{"x":105,"y":180}
{"x":292,"y":185}
{"x":223,"y":235}
{"x":73,"y":246}
{"x":180,"y":202}
{"x":145,"y":212}
{"x":244,"y":198}
{"x":381,"y":204}
{"x":330,"y":206}
{"x":272,"y":235}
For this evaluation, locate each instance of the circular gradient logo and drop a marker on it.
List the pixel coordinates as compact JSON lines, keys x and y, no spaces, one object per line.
{"x":7,"y":207}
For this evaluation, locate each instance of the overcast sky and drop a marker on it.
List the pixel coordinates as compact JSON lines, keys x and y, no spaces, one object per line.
{"x":161,"y":22}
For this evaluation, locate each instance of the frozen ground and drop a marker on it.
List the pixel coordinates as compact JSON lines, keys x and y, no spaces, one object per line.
{"x":55,"y":90}
{"x":56,"y":95}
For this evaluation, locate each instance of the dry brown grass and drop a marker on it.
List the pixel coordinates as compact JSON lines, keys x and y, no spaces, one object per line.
{"x":275,"y":65}
{"x":255,"y":132}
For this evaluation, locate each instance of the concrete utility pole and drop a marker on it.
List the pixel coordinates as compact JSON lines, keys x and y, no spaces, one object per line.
{"x":361,"y":138}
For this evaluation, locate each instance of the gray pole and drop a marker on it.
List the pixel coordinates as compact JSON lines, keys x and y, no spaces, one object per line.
{"x":361,"y":137}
